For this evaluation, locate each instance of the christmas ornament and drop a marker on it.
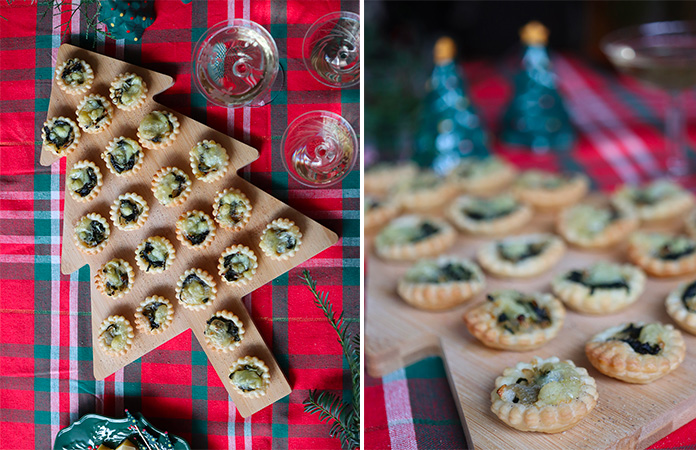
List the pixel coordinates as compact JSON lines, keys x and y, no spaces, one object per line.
{"x":536,"y":117}
{"x":127,"y":20}
{"x":449,"y":126}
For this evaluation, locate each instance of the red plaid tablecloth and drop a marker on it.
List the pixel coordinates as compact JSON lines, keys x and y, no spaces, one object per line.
{"x":46,"y":377}
{"x":620,"y":125}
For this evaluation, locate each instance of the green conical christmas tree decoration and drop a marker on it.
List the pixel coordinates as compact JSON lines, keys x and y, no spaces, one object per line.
{"x":536,"y":117}
{"x":449,"y":127}
{"x":127,"y":20}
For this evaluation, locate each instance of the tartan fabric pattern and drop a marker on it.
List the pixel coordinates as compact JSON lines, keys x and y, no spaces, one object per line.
{"x":46,"y":379}
{"x":620,"y":126}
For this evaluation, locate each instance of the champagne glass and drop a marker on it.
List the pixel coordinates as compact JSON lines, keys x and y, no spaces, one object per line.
{"x":331,"y":49}
{"x":663,"y":55}
{"x":319,"y":148}
{"x":235,"y":64}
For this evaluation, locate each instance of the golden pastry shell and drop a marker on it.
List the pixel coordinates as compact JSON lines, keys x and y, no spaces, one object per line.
{"x":640,"y":254}
{"x":229,"y":316}
{"x":501,"y":225}
{"x":676,"y":309}
{"x":283,"y":224}
{"x":180,"y":230}
{"x":167,"y":140}
{"x":552,"y":199}
{"x":157,"y":179}
{"x":615,"y":232}
{"x":431,"y":246}
{"x":248,"y":275}
{"x":383,"y":177}
{"x":51,"y":148}
{"x":111,"y":146}
{"x":98,"y":248}
{"x":211,"y":176}
{"x":136,"y":103}
{"x":252,"y":360}
{"x":100,"y":283}
{"x":143,"y":324}
{"x":142,"y":264}
{"x":203,"y":275}
{"x":129,"y":335}
{"x":115,"y":211}
{"x":72,"y":90}
{"x":104,"y":123}
{"x":671,"y":207}
{"x":247,"y":211}
{"x":95,"y":191}
{"x":492,"y":263}
{"x":488,"y":184}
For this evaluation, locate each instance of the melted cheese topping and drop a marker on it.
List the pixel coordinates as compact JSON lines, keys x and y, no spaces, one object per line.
{"x":115,"y":276}
{"x":171,"y":186}
{"x":218,"y":331}
{"x":232,"y":208}
{"x":236,"y":265}
{"x":247,"y":378}
{"x":280,"y":239}
{"x":79,"y":177}
{"x":155,"y":126}
{"x":209,"y":158}
{"x":195,"y":291}
{"x":92,"y":113}
{"x":84,"y":230}
{"x":588,"y":220}
{"x":115,"y":336}
{"x":537,"y":179}
{"x":548,"y":384}
{"x":129,"y":90}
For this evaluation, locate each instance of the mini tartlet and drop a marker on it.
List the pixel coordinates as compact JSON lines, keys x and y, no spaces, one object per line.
{"x":521,"y":256}
{"x":422,"y":192}
{"x":488,"y":215}
{"x":209,"y":161}
{"x":60,"y":136}
{"x":158,"y":130}
{"x":195,"y":229}
{"x":550,"y":191}
{"x":196,"y":289}
{"x":232,"y":209}
{"x":154,"y":315}
{"x":596,"y":226}
{"x":441,"y":283}
{"x":379,"y":212}
{"x":91,"y":233}
{"x":637,"y":352}
{"x":513,"y":320}
{"x":411,"y":237}
{"x":659,"y":200}
{"x":662,"y":254}
{"x":601,"y":288}
{"x":250,"y":377}
{"x":84,"y":181}
{"x":281,"y":239}
{"x":224,"y":331}
{"x":482,"y":175}
{"x":128,"y":91}
{"x":115,"y":278}
{"x":381,"y":178}
{"x":129,"y":211}
{"x":74,"y":76}
{"x":681,"y":306}
{"x":155,"y":254}
{"x":115,"y":335}
{"x":94,"y":114}
{"x":546,"y":395}
{"x":237,"y":265}
{"x":171,"y":186}
{"x":123,"y":156}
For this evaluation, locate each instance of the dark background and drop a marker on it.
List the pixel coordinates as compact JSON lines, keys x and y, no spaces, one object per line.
{"x":399,"y":37}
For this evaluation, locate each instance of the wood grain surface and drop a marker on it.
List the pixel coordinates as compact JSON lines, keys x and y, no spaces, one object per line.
{"x":161,"y":222}
{"x":627,"y":415}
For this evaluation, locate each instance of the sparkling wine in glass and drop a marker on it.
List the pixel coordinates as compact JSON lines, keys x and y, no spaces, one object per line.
{"x":319,"y":148}
{"x":662,"y":55}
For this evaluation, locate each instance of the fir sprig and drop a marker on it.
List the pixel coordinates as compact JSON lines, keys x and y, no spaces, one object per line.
{"x":91,"y":17}
{"x":344,"y":417}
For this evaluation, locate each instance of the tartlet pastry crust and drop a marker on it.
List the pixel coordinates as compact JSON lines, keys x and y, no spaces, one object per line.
{"x":271,"y":236}
{"x":212,"y":331}
{"x":142,"y":321}
{"x":159,"y":248}
{"x":681,"y":306}
{"x":544,"y":250}
{"x":123,"y":211}
{"x":247,"y":256}
{"x":618,"y":359}
{"x":190,"y":299}
{"x":548,"y":191}
{"x":514,"y":215}
{"x":396,"y":240}
{"x":566,"y":396}
{"x":123,"y":156}
{"x":612,"y":287}
{"x":208,"y":168}
{"x":130,"y":101}
{"x":482,"y":176}
{"x":491,"y":322}
{"x":659,"y":200}
{"x":163,"y":186}
{"x":202,"y":223}
{"x":97,"y":122}
{"x":82,"y":235}
{"x":104,"y":277}
{"x":67,"y":146}
{"x":591,"y":226}
{"x":431,"y":285}
{"x":78,"y":84}
{"x":158,"y":130}
{"x":424,"y":191}
{"x":381,"y":178}
{"x":662,"y":254}
{"x":232,"y":209}
{"x":76,"y":183}
{"x":379,"y":212}
{"x":125,"y":335}
{"x":265,"y":376}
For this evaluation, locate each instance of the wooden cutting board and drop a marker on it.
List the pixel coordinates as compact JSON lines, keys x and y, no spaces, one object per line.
{"x":161,"y":222}
{"x":627,"y":415}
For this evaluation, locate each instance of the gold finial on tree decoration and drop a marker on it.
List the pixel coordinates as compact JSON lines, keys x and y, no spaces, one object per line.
{"x":445,"y":50}
{"x":534,"y":33}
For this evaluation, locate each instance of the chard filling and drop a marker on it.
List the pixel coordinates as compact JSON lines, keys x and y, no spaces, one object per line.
{"x":408,"y":233}
{"x":247,"y":378}
{"x":154,"y":254}
{"x":124,"y":156}
{"x":91,"y":232}
{"x":156,"y":314}
{"x":644,"y":340}
{"x":172,"y":185}
{"x":600,"y":277}
{"x":675,"y":248}
{"x":519,"y":251}
{"x":210,"y":157}
{"x":82,"y":181}
{"x":196,"y":229}
{"x":116,"y":277}
{"x":432,"y":272}
{"x":281,"y":240}
{"x":155,"y":126}
{"x":548,"y":384}
{"x":222,"y":331}
{"x":490,"y":209}
{"x":73,"y":73}
{"x":652,"y":193}
{"x":231,"y":209}
{"x":236,"y":265}
{"x":590,"y":221}
{"x":517,"y":313}
{"x":129,"y":90}
{"x":128,"y":211}
{"x":114,"y":337}
{"x":60,"y":134}
{"x":92,"y":113}
{"x":195,"y":291}
{"x":689,"y":297}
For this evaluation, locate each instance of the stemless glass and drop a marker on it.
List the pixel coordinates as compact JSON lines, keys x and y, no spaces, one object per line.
{"x":319,"y":148}
{"x":235,"y":64}
{"x":331,"y":49}
{"x":663,"y":55}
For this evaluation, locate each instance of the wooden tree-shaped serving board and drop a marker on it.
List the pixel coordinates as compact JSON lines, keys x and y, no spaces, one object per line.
{"x":161,"y":222}
{"x":627,"y":415}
